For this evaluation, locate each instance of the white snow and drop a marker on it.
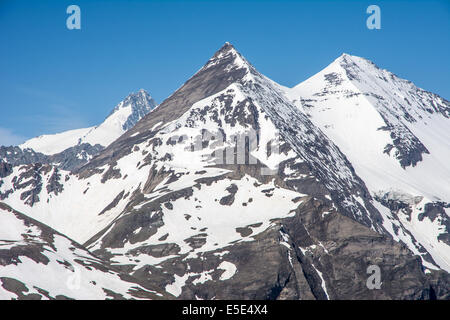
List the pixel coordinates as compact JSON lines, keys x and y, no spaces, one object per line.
{"x":55,"y":143}
{"x":230,"y":270}
{"x":323,"y":284}
{"x":176,"y":287}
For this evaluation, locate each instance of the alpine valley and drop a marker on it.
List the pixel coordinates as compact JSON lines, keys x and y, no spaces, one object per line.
{"x":345,"y":171}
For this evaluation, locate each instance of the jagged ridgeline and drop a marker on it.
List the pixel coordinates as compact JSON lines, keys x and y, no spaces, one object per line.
{"x":293,"y":218}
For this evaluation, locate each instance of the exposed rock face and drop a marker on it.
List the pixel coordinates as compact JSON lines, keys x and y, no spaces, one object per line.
{"x":17,"y":156}
{"x":142,"y":103}
{"x":69,"y":159}
{"x":308,"y":256}
{"x":5,"y":169}
{"x":74,"y":157}
{"x":423,"y":218}
{"x":54,"y":183}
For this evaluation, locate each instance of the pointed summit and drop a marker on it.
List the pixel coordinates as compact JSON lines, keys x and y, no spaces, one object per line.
{"x":228,"y":59}
{"x":227,"y":46}
{"x":225,"y":49}
{"x":399,"y":119}
{"x":135,"y":106}
{"x":348,"y":60}
{"x":140,"y":100}
{"x":345,"y":55}
{"x":225,"y":67}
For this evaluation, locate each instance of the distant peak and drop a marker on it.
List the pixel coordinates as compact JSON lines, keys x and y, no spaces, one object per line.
{"x":140,"y":93}
{"x":141,"y":103}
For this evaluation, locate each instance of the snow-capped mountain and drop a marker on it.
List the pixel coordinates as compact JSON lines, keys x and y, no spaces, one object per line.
{"x":228,"y":190}
{"x":37,"y":262}
{"x":397,"y":137}
{"x":71,"y":149}
{"x":395,"y":134}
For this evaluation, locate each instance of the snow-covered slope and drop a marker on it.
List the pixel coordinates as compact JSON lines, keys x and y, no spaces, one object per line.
{"x":397,"y":137}
{"x":126,"y":114}
{"x":36,"y":262}
{"x":55,"y":143}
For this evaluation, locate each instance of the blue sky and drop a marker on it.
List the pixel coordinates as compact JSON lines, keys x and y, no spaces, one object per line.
{"x":54,"y":79}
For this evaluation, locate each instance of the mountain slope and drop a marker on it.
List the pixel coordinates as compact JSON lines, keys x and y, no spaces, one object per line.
{"x":397,"y":138}
{"x":36,"y":262}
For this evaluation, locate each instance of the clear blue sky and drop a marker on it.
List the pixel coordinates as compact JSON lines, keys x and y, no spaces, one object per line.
{"x":53,"y":79}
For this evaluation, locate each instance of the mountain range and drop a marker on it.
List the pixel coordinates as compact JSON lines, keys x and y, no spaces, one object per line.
{"x":236,"y":187}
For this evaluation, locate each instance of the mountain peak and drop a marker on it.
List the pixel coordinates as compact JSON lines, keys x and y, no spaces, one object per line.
{"x":141,"y":93}
{"x":134,"y":97}
{"x":227,"y":46}
{"x":229,"y":57}
{"x":139,"y":104}
{"x":348,"y":59}
{"x":225,"y":49}
{"x":344,"y":55}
